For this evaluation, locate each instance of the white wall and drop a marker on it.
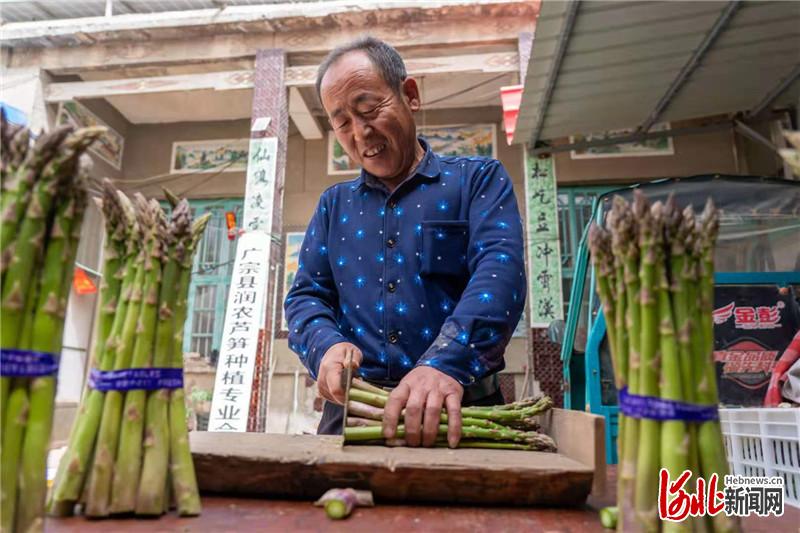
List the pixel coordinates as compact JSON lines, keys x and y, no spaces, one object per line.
{"x":81,"y":310}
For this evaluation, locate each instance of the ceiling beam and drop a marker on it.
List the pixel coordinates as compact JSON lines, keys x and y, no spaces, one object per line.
{"x":218,"y":81}
{"x":717,"y":125}
{"x":634,"y":137}
{"x":775,"y":92}
{"x":555,"y":68}
{"x":690,"y":66}
{"x":302,"y":117}
{"x":234,"y":14}
{"x":753,"y":135}
{"x":218,"y":47}
{"x":300,"y":76}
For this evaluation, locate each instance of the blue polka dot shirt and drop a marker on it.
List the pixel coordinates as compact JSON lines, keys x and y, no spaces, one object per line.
{"x":429,"y":274}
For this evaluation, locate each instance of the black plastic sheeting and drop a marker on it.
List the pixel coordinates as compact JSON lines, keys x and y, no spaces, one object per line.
{"x":734,"y":195}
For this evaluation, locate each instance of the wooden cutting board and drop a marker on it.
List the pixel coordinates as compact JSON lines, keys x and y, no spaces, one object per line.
{"x":305,"y":466}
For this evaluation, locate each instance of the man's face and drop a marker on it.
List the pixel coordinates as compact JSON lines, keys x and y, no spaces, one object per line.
{"x":374,"y":125}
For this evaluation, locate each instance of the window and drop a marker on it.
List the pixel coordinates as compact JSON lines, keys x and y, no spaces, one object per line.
{"x":575,"y":206}
{"x":211,"y":273}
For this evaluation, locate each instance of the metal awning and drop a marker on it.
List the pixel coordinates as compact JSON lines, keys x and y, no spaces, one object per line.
{"x":602,"y":65}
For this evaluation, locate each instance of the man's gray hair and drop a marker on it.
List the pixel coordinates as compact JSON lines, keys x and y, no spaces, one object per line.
{"x":383,"y":57}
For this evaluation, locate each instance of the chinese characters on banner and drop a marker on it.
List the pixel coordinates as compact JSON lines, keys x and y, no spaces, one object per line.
{"x":260,"y":189}
{"x":544,"y":256}
{"x":230,"y":405}
{"x":244,"y":312}
{"x":753,"y":326}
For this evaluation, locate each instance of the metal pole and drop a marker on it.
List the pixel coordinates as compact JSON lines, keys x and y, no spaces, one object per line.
{"x":775,"y":92}
{"x":561,"y":48}
{"x":752,"y":134}
{"x":690,"y":65}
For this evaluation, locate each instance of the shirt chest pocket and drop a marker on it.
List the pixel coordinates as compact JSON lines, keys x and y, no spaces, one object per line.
{"x":444,"y":247}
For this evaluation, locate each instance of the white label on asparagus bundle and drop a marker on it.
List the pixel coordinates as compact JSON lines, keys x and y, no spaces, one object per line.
{"x":233,"y":384}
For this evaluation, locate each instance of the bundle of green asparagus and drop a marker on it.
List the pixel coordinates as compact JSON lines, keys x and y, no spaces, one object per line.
{"x":128,"y":431}
{"x":511,"y":426}
{"x":654,"y":267}
{"x":44,"y":188}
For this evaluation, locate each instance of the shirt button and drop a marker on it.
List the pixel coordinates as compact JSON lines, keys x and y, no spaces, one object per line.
{"x":391,"y":286}
{"x":391,"y":242}
{"x":393,"y":338}
{"x":392,"y":204}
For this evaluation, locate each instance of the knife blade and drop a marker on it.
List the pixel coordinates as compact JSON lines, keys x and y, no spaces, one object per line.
{"x":347,"y":376}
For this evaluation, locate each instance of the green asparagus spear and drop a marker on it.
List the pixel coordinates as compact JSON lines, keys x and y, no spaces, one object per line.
{"x":538,"y":441}
{"x":100,"y":477}
{"x":129,"y":456}
{"x":184,"y":482}
{"x":41,"y":162}
{"x":647,"y":464}
{"x":73,"y":468}
{"x":712,"y":452}
{"x":629,"y":427}
{"x":680,"y":237}
{"x":13,"y":434}
{"x":151,"y":497}
{"x":48,"y":330}
{"x":19,"y":292}
{"x":674,"y":445}
{"x":23,"y":239}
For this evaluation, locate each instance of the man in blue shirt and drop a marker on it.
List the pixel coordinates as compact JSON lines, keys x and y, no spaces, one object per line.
{"x":415,"y":268}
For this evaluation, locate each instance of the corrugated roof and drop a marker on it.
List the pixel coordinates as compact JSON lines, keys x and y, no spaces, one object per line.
{"x":606,"y":65}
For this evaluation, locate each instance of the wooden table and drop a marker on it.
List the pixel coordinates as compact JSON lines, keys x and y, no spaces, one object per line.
{"x":303,"y":467}
{"x":224,"y":514}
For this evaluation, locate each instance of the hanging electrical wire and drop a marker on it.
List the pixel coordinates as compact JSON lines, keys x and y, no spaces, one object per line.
{"x":468,"y":89}
{"x":171,"y":175}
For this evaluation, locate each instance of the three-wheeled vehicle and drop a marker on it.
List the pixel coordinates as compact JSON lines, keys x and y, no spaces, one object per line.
{"x":757,"y":295}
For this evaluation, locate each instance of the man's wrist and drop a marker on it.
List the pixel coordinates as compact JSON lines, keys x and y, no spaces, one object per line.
{"x":463,"y":378}
{"x":323,"y":341}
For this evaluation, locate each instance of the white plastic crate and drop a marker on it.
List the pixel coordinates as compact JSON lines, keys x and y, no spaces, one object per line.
{"x":764,"y":442}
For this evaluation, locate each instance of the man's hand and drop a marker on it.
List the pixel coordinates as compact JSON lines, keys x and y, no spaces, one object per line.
{"x":423,"y":392}
{"x":331,"y":369}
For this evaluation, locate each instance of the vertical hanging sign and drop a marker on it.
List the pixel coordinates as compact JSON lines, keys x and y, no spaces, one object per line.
{"x":244,"y":311}
{"x":233,"y":385}
{"x":544,"y":256}
{"x":259,"y":196}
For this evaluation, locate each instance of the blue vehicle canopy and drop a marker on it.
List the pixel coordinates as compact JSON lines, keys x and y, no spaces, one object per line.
{"x":760,"y":217}
{"x":759,"y":244}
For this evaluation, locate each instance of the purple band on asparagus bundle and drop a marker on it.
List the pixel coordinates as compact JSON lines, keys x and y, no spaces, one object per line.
{"x":136,"y":379}
{"x":27,"y":363}
{"x":635,"y":406}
